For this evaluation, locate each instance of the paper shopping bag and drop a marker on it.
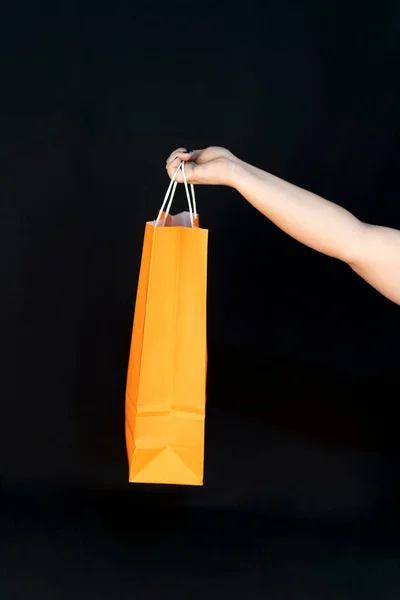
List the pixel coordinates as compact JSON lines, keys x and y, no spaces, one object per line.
{"x":166,"y":384}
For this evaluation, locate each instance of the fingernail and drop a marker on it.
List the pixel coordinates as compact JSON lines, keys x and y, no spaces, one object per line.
{"x":188,"y":151}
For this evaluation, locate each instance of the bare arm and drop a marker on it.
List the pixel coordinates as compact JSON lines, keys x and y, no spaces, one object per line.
{"x":372,"y":252}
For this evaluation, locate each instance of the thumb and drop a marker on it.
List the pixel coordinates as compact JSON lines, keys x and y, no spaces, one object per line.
{"x":189,"y":154}
{"x":185,"y":155}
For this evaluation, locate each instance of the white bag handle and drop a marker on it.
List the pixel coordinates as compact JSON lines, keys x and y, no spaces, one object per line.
{"x":172,"y":186}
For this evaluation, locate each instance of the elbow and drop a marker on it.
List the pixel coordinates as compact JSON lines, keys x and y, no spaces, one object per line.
{"x":355,"y":250}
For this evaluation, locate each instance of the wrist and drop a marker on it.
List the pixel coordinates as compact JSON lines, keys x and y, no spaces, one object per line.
{"x":235,"y":170}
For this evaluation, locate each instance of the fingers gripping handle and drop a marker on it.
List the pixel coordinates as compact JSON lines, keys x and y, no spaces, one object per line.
{"x":169,"y":196}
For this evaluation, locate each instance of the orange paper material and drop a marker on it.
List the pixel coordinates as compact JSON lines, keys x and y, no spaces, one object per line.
{"x":166,"y":386}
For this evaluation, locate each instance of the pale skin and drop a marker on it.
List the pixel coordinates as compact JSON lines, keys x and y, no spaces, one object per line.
{"x":373,"y":252}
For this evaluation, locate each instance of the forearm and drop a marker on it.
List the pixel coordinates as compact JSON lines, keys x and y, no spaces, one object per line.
{"x":308,"y":218}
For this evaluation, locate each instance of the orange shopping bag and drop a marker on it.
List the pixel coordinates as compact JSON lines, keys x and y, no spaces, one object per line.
{"x":166,"y":384}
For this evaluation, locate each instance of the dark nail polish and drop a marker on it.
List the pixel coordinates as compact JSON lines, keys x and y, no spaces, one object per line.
{"x":188,"y":151}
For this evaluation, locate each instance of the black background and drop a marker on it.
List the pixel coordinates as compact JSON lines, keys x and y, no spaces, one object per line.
{"x":303,"y":355}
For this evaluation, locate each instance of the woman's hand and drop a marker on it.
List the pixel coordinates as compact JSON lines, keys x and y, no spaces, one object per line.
{"x":212,"y":166}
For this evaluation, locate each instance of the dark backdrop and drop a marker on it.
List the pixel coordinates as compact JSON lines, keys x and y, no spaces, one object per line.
{"x":303,"y":355}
